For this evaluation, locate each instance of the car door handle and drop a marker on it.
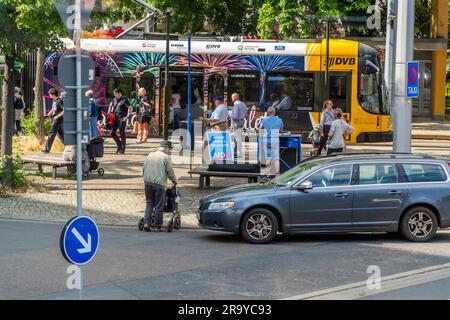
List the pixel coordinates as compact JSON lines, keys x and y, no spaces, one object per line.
{"x":341,"y":195}
{"x":395,"y":193}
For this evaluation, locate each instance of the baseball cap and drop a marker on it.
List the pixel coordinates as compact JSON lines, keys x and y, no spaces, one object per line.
{"x":166,"y":144}
{"x":220,"y":98}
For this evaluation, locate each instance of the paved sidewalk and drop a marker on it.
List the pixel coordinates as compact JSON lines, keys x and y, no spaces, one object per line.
{"x":431,"y":130}
{"x":117,"y":198}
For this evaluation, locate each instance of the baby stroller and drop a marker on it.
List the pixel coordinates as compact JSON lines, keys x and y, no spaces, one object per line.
{"x":170,"y":206}
{"x":95,"y":149}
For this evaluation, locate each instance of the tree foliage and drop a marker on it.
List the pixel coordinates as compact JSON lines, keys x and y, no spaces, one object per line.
{"x":231,"y":17}
{"x":304,"y":19}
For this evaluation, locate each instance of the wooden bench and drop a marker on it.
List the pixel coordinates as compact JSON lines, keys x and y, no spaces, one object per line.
{"x":205,"y":176}
{"x":48,"y":160}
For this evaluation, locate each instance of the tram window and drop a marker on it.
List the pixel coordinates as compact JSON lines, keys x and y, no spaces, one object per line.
{"x":290,"y":92}
{"x":216,"y":86}
{"x":369,"y":93}
{"x":148,"y":84}
{"x":338,"y":92}
{"x":247,"y":85}
{"x":126,"y":84}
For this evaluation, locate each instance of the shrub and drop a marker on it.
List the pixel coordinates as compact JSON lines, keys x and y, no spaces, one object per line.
{"x":19,"y":176}
{"x":29,"y":125}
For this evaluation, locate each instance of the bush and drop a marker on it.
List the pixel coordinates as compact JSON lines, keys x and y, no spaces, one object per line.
{"x":29,"y":125}
{"x":19,"y":176}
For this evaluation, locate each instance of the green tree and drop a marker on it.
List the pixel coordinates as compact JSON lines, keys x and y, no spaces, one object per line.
{"x":40,"y":18}
{"x":13,"y":41}
{"x":304,"y":19}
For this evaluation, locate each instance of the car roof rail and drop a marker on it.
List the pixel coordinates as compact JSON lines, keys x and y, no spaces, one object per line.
{"x":392,"y":155}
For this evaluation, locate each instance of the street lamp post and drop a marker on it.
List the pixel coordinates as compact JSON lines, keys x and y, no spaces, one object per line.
{"x":167,"y":93}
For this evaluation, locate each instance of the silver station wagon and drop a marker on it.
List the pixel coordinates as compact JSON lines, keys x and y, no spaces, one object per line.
{"x":406,"y":193}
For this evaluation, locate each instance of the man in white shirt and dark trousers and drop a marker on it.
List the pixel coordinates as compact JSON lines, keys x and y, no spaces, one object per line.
{"x":339,"y":129}
{"x":238,"y":115}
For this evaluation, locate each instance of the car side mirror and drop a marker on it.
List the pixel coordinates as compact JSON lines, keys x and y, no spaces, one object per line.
{"x":305,"y":185}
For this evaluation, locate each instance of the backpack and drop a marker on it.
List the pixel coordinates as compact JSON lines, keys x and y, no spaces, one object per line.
{"x":18,"y":104}
{"x":110,"y":120}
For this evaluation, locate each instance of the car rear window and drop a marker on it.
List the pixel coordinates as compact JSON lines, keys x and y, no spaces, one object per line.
{"x":424,"y":172}
{"x":377,"y":174}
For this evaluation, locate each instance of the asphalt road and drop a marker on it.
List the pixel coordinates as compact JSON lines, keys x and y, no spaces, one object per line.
{"x":196,"y":264}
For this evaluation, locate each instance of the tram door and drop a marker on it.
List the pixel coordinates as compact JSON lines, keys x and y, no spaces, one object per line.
{"x":179,"y":84}
{"x":341,"y":92}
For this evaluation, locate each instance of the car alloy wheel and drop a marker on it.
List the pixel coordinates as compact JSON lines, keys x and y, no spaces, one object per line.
{"x":258,"y":226}
{"x":420,"y":224}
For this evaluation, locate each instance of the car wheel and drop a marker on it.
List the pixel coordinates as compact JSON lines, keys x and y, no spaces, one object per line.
{"x":259,"y":226}
{"x":419,"y":224}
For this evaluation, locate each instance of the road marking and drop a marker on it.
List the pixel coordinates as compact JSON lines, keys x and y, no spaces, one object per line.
{"x":358,"y":290}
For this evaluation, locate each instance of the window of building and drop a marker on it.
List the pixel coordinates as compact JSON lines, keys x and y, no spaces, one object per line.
{"x":246,"y":84}
{"x":290,"y":92}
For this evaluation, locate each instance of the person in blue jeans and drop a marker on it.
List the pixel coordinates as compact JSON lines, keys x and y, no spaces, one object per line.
{"x":93,"y":115}
{"x":175,"y":101}
{"x":270,"y":128}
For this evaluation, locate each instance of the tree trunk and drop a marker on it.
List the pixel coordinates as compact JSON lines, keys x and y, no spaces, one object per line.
{"x":39,"y":96}
{"x":8,"y":117}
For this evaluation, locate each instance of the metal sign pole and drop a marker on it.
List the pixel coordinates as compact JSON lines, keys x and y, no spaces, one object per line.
{"x":189,"y":133}
{"x":77,"y":36}
{"x":402,"y":108}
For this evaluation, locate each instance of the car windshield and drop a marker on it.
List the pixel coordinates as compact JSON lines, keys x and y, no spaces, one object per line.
{"x":289,"y":177}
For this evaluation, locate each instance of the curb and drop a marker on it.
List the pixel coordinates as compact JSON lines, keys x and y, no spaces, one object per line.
{"x":109,"y":225}
{"x":430,"y":137}
{"x":351,"y":290}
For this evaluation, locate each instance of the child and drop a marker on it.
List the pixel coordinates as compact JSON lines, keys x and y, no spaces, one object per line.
{"x":314,"y":137}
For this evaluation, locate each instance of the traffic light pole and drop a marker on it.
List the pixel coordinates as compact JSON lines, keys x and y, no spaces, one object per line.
{"x":79,"y":160}
{"x":402,"y":107}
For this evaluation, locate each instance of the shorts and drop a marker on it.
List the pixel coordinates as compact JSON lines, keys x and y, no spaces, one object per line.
{"x":316,"y":145}
{"x":273,"y":151}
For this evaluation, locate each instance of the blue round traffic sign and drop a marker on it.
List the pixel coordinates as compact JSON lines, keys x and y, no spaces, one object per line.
{"x":79,"y":240}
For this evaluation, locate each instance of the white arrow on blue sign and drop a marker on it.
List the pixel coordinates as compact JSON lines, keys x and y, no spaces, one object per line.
{"x":79,"y":240}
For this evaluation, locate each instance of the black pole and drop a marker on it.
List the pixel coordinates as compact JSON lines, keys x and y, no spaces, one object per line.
{"x":167,"y":92}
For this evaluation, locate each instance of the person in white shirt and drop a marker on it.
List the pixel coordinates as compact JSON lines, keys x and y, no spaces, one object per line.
{"x":339,"y":129}
{"x":238,"y":115}
{"x":219,"y":118}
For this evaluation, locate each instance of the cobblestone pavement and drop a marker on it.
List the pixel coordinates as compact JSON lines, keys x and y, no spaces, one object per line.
{"x":117,"y":198}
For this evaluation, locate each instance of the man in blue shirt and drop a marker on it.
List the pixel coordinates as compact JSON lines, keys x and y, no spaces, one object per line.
{"x":270,"y":128}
